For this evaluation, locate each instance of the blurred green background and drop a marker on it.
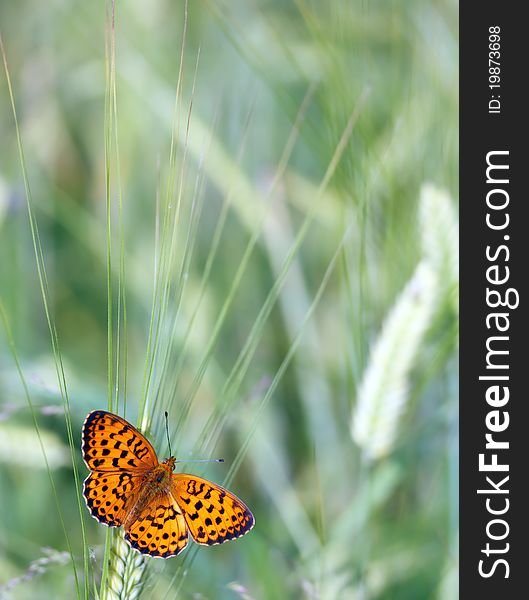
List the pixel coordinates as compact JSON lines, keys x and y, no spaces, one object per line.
{"x":295,"y":186}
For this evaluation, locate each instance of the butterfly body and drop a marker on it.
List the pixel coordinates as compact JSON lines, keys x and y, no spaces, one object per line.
{"x":157,"y":508}
{"x":159,"y":479}
{"x":155,"y":484}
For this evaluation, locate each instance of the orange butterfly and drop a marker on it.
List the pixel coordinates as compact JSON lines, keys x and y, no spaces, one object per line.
{"x":157,"y":508}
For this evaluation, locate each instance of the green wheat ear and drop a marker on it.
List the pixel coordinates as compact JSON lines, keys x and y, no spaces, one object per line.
{"x":126,"y":573}
{"x":383,"y":391}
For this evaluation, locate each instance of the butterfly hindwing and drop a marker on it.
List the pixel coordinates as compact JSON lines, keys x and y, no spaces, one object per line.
{"x":160,"y":531}
{"x":110,"y":443}
{"x":109,"y":496}
{"x":213,"y":514}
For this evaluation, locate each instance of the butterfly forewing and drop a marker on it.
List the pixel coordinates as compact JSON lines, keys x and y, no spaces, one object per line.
{"x":213,"y":514}
{"x":160,"y":530}
{"x":112,"y":444}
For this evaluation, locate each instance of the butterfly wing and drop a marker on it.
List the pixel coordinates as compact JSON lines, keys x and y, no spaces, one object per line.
{"x":109,"y":496}
{"x":212,"y":513}
{"x":160,"y":530}
{"x":112,"y":444}
{"x":118,"y":456}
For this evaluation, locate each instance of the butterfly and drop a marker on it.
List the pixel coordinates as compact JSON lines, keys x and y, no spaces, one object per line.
{"x":157,"y":508}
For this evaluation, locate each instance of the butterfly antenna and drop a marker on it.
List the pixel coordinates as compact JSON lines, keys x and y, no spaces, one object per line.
{"x":191,"y":460}
{"x":184,"y":460}
{"x":167,"y":432}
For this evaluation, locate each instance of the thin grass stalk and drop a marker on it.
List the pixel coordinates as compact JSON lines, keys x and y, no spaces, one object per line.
{"x":107,"y":130}
{"x":288,"y":357}
{"x":208,"y":437}
{"x":203,"y":284}
{"x":170,"y":366}
{"x":168,"y":369}
{"x":251,"y":244}
{"x":125,"y":569}
{"x":110,"y":64}
{"x":122,"y":573}
{"x":171,"y":255}
{"x":240,"y":368}
{"x":121,"y":316}
{"x":289,"y":146}
{"x":181,"y":275}
{"x":44,"y":286}
{"x":155,"y":324}
{"x":271,"y":298}
{"x":121,"y":336}
{"x":14,"y":353}
{"x":177,"y":579}
{"x":150,"y":336}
